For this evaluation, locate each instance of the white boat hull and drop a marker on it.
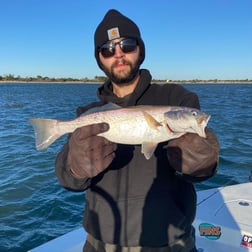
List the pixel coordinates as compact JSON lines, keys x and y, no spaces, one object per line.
{"x":223,"y":223}
{"x":224,"y":219}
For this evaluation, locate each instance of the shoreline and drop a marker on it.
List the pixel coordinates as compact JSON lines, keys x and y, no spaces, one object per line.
{"x":99,"y":83}
{"x":50,"y":82}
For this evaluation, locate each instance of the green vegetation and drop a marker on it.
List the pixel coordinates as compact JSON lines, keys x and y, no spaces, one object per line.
{"x":39,"y":78}
{"x":13,"y":78}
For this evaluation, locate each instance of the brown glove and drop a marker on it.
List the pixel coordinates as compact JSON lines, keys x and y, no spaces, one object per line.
{"x":194,"y":156}
{"x":90,"y":154}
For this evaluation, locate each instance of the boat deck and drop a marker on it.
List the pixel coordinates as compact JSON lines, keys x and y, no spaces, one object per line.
{"x":223,"y":223}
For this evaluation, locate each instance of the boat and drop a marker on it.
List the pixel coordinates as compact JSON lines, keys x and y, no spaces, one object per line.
{"x":223,"y":223}
{"x":224,"y":219}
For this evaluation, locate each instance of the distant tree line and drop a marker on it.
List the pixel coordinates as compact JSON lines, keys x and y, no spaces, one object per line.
{"x":39,"y":78}
{"x":210,"y":81}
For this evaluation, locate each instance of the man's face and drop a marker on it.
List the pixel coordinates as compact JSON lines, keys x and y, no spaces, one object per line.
{"x":121,"y":67}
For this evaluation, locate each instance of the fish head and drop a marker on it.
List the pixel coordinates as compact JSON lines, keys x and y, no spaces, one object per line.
{"x":184,"y":119}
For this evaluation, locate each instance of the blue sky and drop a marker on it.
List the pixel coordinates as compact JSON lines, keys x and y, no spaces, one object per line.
{"x":184,"y":39}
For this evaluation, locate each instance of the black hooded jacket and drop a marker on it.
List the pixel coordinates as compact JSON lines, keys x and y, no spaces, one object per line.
{"x":138,"y":202}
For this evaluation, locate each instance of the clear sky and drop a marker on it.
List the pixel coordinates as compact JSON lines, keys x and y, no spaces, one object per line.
{"x":184,"y":39}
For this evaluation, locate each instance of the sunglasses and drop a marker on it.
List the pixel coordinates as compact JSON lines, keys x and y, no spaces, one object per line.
{"x":126,"y":45}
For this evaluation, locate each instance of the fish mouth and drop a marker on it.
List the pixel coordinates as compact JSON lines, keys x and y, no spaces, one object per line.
{"x":169,"y":128}
{"x":204,"y":119}
{"x":202,"y":122}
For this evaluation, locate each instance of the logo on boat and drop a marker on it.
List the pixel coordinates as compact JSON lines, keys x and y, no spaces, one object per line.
{"x":247,"y":241}
{"x":210,"y":231}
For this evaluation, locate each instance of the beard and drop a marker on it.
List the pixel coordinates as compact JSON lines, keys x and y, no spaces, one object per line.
{"x":122,"y":78}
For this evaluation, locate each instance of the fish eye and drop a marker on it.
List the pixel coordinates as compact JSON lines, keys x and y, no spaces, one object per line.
{"x":194,"y":113}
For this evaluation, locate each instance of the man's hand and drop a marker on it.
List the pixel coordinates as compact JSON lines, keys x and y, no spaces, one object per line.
{"x":90,"y":154}
{"x":193,"y":155}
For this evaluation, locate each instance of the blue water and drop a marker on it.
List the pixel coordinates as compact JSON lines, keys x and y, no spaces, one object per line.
{"x":34,"y":208}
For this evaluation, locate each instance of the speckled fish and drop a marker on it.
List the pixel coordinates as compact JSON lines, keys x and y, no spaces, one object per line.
{"x":143,"y":125}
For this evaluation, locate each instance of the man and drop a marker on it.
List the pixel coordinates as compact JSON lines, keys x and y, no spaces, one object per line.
{"x":134,"y":204}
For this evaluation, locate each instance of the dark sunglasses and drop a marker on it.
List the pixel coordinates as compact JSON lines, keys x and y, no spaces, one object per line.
{"x":127,"y":45}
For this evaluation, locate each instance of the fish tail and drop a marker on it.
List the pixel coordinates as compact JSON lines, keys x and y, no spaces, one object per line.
{"x":45,"y":132}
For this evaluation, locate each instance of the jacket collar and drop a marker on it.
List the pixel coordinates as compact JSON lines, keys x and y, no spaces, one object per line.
{"x":105,"y":92}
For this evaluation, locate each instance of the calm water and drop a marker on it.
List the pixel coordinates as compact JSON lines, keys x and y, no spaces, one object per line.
{"x":34,"y":208}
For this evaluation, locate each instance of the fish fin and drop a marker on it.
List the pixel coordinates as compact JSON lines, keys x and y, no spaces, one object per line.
{"x":45,"y":132}
{"x":107,"y":106}
{"x":152,"y":122}
{"x":148,"y":149}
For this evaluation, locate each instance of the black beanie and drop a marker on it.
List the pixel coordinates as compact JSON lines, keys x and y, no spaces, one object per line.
{"x":115,"y":25}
